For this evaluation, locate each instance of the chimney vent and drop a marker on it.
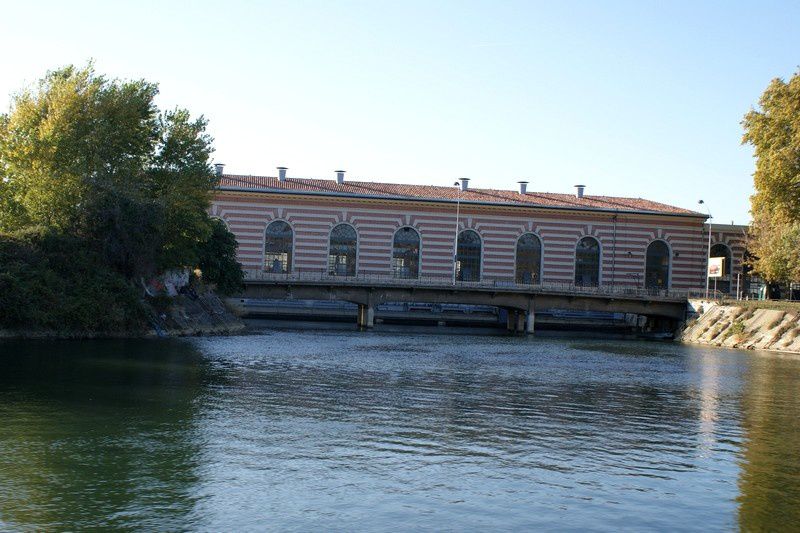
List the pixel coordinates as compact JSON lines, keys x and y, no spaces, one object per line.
{"x":340,"y":176}
{"x":218,"y":169}
{"x":282,"y":173}
{"x":579,"y":191}
{"x":464,"y":184}
{"x":523,"y":187}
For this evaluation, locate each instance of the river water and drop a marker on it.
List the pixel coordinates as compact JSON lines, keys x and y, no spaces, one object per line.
{"x":304,"y":430}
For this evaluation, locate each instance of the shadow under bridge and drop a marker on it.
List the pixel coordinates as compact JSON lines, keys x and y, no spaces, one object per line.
{"x":521,"y":301}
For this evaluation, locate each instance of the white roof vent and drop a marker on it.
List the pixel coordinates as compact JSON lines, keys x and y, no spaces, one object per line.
{"x":282,"y":173}
{"x":523,"y":187}
{"x":579,"y":191}
{"x":219,"y":168}
{"x":340,"y":176}
{"x":464,"y":184}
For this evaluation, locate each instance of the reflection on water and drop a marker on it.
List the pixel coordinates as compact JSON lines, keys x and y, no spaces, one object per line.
{"x":98,"y":434}
{"x":770,"y":477}
{"x":299,"y":430}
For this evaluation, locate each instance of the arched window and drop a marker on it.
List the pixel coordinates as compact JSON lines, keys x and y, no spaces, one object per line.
{"x":278,"y":241}
{"x":587,"y":262}
{"x":529,"y":259}
{"x":656,"y":270}
{"x":722,"y":284}
{"x":468,"y":256}
{"x":405,"y":253}
{"x":343,"y":249}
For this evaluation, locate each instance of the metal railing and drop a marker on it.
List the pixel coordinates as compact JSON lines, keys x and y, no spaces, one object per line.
{"x":443,"y":282}
{"x":703,"y":294}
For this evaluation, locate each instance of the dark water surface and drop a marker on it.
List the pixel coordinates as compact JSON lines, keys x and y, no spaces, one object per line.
{"x":304,"y":430}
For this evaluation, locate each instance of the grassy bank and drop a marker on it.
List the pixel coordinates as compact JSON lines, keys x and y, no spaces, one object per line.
{"x":777,"y":305}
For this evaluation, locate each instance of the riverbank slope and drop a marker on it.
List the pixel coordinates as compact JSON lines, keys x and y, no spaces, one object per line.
{"x":747,"y":325}
{"x":181,"y":316}
{"x":202,"y":314}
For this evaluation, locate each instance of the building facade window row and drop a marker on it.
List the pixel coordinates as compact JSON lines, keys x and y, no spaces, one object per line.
{"x":407,"y":252}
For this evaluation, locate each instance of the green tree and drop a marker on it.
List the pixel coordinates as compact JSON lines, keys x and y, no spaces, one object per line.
{"x":218,"y":260}
{"x":97,"y":188}
{"x":10,"y":211}
{"x":96,"y":158}
{"x":774,"y":132}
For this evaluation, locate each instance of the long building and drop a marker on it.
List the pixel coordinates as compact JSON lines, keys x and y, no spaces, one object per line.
{"x":346,"y":228}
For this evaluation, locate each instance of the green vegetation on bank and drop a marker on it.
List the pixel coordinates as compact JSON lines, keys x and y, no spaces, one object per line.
{"x":778,"y":305}
{"x":774,"y":132}
{"x":99,"y":190}
{"x":55,"y":282}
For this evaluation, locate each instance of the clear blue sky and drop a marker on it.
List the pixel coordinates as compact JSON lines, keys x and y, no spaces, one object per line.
{"x":630,"y":98}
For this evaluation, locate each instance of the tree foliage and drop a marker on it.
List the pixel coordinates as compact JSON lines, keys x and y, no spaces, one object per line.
{"x":218,"y":260}
{"x":95,"y":158}
{"x":774,"y":132}
{"x":98,"y":188}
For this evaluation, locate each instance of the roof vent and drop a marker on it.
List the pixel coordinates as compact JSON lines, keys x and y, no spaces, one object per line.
{"x":523,"y":187}
{"x":282,"y":173}
{"x":464,"y":184}
{"x":340,"y":176}
{"x":218,"y":169}
{"x":579,"y":191}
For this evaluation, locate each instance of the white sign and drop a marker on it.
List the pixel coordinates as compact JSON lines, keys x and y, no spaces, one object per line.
{"x":716,"y":267}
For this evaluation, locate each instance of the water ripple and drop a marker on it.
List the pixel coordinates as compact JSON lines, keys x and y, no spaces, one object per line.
{"x":300,"y":430}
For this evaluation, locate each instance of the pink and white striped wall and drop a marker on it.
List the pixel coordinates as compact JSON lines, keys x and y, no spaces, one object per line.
{"x":624,"y":237}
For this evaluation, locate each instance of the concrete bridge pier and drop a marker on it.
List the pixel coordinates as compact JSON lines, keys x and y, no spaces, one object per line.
{"x":520,"y":321}
{"x":366,"y":316}
{"x":511,"y":320}
{"x":529,"y":322}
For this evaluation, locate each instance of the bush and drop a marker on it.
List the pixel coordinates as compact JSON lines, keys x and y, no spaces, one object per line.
{"x":54,"y":282}
{"x":737,"y":328}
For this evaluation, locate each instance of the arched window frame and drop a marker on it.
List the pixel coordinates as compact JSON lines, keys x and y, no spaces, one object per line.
{"x":290,"y":266}
{"x":729,"y":255}
{"x":541,"y":256}
{"x":358,"y":247}
{"x":480,"y":255}
{"x":669,"y":264}
{"x":725,"y":283}
{"x":599,"y":258}
{"x":419,"y":251}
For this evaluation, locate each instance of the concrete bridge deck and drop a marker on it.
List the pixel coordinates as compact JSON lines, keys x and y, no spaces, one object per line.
{"x":520,"y":300}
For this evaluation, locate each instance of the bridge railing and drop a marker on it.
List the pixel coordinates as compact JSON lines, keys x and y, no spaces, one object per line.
{"x":363,"y":278}
{"x":703,"y":294}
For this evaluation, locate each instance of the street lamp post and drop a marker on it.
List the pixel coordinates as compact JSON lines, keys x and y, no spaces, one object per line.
{"x":455,"y":242}
{"x":708,"y":251}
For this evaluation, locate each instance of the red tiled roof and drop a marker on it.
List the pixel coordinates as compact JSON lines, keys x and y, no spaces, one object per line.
{"x":432,"y":192}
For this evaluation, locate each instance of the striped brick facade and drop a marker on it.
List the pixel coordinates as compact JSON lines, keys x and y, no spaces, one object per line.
{"x":623,"y":236}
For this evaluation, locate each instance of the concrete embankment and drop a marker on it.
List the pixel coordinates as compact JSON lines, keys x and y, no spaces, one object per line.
{"x":745,"y":326}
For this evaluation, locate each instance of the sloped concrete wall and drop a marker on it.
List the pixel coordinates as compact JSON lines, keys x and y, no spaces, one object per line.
{"x":739,"y":327}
